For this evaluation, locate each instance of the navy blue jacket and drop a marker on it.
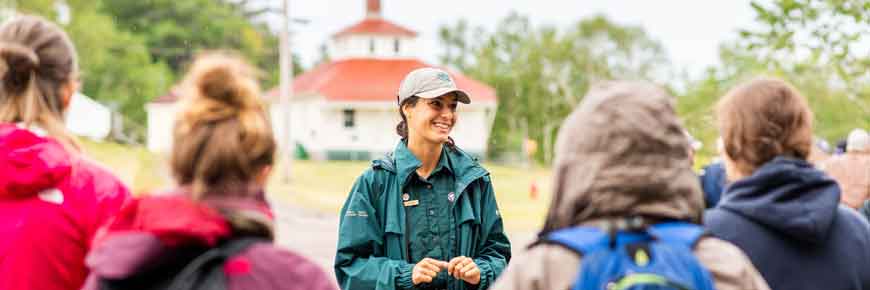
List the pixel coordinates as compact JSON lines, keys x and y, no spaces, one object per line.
{"x":786,"y":217}
{"x":713,"y":180}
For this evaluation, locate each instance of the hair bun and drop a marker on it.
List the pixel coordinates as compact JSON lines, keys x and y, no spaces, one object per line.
{"x":17,"y":66}
{"x":227,"y":80}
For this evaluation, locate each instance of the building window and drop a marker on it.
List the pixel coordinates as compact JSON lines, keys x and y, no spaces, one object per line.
{"x":371,"y":45}
{"x":349,"y":118}
{"x":396,"y":45}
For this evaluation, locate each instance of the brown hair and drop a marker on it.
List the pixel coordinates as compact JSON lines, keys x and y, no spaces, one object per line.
{"x":402,"y":127}
{"x":762,"y":119}
{"x":222,"y":137}
{"x":36,"y":60}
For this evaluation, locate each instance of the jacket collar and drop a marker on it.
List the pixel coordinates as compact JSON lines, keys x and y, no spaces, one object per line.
{"x":402,"y":162}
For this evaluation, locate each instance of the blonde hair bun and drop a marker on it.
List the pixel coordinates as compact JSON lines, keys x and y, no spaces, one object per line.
{"x":222,"y":137}
{"x":225,"y":81}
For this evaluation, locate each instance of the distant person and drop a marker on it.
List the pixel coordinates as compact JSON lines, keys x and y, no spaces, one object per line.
{"x":784,"y":213}
{"x":215,"y":230}
{"x":52,"y":198}
{"x":694,"y":146}
{"x":852,"y":170}
{"x":713,"y":182}
{"x":425,"y":216}
{"x":713,"y":178}
{"x":840,"y":148}
{"x":819,"y":152}
{"x":626,"y":205}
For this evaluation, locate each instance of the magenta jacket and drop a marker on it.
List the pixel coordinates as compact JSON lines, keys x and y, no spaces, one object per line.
{"x":51,"y":204}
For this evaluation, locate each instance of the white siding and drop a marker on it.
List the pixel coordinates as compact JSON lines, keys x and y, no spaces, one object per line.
{"x":359,"y":46}
{"x":304,"y":119}
{"x":471,"y":132}
{"x":88,"y":118}
{"x":161,"y":117}
{"x":319,"y":126}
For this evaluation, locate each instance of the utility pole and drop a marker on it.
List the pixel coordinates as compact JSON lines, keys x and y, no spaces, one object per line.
{"x":286,"y":91}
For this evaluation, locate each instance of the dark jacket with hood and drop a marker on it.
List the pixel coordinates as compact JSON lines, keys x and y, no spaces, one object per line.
{"x":153,"y":233}
{"x":787,"y":217}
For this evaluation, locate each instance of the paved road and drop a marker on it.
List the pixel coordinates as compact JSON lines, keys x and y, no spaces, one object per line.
{"x":314,"y":234}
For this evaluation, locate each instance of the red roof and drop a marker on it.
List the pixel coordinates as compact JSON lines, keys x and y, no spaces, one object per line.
{"x":376,"y":25}
{"x":373,"y":80}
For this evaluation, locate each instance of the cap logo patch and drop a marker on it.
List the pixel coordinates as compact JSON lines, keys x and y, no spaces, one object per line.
{"x":444,"y":77}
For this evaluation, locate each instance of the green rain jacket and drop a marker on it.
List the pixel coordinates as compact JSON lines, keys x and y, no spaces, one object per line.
{"x":372,"y":250}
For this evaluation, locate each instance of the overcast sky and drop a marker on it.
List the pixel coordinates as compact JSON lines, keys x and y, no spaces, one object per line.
{"x":690,"y":30}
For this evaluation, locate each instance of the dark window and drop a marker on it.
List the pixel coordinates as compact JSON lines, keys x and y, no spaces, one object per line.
{"x":372,"y":45}
{"x":349,"y":116}
{"x":396,"y":45}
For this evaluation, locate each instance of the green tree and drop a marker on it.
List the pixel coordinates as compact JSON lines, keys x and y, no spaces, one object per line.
{"x":175,"y":30}
{"x":813,"y":45}
{"x":115,"y":65}
{"x":540,"y":73}
{"x":795,"y":33}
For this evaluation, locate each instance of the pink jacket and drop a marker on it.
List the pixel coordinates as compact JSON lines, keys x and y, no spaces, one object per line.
{"x":51,"y":204}
{"x":852,"y":172}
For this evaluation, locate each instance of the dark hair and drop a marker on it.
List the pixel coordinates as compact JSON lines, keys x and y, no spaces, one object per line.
{"x":402,"y":127}
{"x":37,"y":59}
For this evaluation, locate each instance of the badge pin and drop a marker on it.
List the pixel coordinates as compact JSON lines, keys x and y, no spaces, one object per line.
{"x":406,"y":197}
{"x":411,"y":203}
{"x":451,"y":197}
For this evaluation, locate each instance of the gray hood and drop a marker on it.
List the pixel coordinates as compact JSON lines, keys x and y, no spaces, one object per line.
{"x":623,"y":152}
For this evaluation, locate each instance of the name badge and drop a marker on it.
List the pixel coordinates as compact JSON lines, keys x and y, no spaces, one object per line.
{"x":411,"y":203}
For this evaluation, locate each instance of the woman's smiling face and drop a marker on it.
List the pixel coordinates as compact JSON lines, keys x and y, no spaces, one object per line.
{"x":431,"y":120}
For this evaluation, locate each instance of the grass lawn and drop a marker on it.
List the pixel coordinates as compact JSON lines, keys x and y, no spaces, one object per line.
{"x":140,"y":169}
{"x":323,"y":186}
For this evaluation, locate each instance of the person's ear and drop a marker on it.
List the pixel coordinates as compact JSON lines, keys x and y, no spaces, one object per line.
{"x":406,"y":110}
{"x":66,"y":93}
{"x":262,"y":177}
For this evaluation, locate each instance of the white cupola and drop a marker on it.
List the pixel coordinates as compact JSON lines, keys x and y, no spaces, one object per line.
{"x":374,"y":37}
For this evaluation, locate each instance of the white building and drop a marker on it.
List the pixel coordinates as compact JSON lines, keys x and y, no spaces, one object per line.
{"x":161,"y":116}
{"x":88,"y":118}
{"x":346,"y":109}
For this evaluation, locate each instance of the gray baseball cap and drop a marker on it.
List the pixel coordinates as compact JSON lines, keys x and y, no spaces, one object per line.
{"x":430,"y":83}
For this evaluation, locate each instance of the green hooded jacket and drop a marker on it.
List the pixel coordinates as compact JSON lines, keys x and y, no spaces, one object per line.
{"x":372,"y":250}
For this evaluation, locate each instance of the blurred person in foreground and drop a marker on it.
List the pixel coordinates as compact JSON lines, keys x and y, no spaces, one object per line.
{"x":779,"y":209}
{"x":852,"y":170}
{"x":425,"y":216}
{"x":621,"y":158}
{"x":52,"y":198}
{"x":222,"y":155}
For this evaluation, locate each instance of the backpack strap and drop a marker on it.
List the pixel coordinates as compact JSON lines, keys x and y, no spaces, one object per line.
{"x":677,"y":232}
{"x":206,"y":271}
{"x":579,"y":239}
{"x":587,"y":239}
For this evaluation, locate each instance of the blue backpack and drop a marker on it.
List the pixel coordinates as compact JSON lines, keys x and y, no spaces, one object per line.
{"x":654,"y":257}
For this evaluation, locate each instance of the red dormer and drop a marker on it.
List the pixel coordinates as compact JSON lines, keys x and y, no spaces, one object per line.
{"x":375,"y":26}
